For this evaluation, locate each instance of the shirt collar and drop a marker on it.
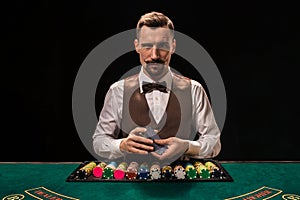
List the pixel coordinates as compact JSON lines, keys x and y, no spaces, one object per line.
{"x":144,"y":77}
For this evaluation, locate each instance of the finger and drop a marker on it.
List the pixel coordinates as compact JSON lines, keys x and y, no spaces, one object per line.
{"x":163,"y":141}
{"x":140,"y":139}
{"x":143,"y":146}
{"x":156,"y":155}
{"x":138,"y":151}
{"x":165,"y":155}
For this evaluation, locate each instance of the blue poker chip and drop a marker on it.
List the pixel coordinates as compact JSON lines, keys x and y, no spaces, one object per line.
{"x":143,"y":175}
{"x":216,"y":174}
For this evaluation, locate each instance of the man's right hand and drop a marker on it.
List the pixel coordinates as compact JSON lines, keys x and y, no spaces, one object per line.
{"x":136,"y":143}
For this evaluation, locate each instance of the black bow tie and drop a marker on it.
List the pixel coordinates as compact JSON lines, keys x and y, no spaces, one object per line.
{"x":149,"y":87}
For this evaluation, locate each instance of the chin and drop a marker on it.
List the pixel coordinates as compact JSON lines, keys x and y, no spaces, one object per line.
{"x":155,"y":72}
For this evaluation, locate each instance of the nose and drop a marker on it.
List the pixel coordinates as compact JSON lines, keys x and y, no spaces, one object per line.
{"x":154,"y":53}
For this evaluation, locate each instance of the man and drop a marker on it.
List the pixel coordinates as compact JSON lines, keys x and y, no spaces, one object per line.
{"x":177,"y":108}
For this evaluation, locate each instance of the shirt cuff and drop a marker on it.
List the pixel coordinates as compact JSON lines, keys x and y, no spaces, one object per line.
{"x":115,"y":150}
{"x":194,"y":148}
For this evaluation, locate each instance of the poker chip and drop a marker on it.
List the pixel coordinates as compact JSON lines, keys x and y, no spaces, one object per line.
{"x":155,"y":171}
{"x":108,"y":173}
{"x":132,"y":171}
{"x":85,"y":171}
{"x":211,"y":166}
{"x":98,"y":170}
{"x":196,"y":169}
{"x":155,"y":174}
{"x":205,"y":174}
{"x":143,"y":174}
{"x":167,"y":172}
{"x":109,"y":170}
{"x":119,"y":172}
{"x":216,"y":174}
{"x":198,"y":163}
{"x":190,"y":170}
{"x":179,"y":172}
{"x":131,"y":175}
{"x":167,"y":175}
{"x":202,"y":170}
{"x":143,"y":171}
{"x":191,"y":173}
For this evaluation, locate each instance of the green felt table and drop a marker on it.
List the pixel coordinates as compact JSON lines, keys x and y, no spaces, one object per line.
{"x":17,"y":178}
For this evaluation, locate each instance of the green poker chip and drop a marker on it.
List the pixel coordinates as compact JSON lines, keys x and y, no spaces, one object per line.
{"x":108,"y":173}
{"x":204,"y":174}
{"x":191,"y":173}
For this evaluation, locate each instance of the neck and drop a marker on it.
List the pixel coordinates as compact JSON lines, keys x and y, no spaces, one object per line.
{"x":155,"y":77}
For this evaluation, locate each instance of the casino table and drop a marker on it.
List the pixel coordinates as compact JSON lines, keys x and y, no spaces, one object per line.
{"x":251,"y":180}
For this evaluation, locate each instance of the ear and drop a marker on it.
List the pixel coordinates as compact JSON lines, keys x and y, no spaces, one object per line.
{"x":136,"y":45}
{"x":174,"y":46}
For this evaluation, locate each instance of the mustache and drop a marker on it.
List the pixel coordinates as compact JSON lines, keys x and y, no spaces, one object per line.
{"x":158,"y":61}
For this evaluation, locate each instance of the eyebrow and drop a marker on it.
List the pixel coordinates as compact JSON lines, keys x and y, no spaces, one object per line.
{"x":151,"y":43}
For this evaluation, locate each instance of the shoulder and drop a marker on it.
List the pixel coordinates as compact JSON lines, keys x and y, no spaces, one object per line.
{"x":132,"y":81}
{"x":128,"y":81}
{"x":181,"y":77}
{"x":196,"y":84}
{"x":132,"y":78}
{"x":117,"y":86}
{"x":197,"y":87}
{"x":180,"y":81}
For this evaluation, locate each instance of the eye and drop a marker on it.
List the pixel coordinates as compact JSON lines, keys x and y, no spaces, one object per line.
{"x":163,"y":46}
{"x":146,"y":45}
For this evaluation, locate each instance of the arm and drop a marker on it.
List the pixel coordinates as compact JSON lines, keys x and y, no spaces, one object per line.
{"x":208,"y":144}
{"x":105,"y":139}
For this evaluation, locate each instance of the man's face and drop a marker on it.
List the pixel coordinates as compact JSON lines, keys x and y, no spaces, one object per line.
{"x":155,"y":46}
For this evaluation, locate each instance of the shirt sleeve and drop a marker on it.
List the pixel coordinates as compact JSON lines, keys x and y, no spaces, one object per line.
{"x":208,"y":144}
{"x":105,"y":139}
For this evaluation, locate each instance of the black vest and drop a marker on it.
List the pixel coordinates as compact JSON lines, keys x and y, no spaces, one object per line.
{"x":176,"y":120}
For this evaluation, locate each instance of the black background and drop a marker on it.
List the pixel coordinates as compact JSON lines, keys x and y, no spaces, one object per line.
{"x":255,"y":47}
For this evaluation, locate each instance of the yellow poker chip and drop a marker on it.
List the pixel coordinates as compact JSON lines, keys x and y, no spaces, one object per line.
{"x":86,"y":170}
{"x":211,"y":166}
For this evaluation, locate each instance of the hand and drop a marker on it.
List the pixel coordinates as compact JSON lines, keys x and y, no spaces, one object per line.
{"x":176,"y":148}
{"x":136,"y":143}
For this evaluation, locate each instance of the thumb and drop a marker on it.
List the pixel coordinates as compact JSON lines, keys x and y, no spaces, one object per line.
{"x":138,"y":130}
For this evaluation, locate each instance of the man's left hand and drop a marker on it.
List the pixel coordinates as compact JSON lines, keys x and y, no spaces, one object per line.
{"x":176,"y":148}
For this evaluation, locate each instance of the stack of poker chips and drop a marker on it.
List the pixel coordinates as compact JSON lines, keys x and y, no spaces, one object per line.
{"x":190,"y":170}
{"x":132,"y":171}
{"x":98,"y":170}
{"x":85,"y":171}
{"x":215,"y":172}
{"x":109,"y":169}
{"x":155,"y":171}
{"x":143,"y":171}
{"x":202,"y":170}
{"x":120,"y":171}
{"x":167,"y":172}
{"x":179,"y":171}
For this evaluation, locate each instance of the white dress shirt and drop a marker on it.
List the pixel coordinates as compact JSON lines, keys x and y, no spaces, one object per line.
{"x":104,"y":139}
